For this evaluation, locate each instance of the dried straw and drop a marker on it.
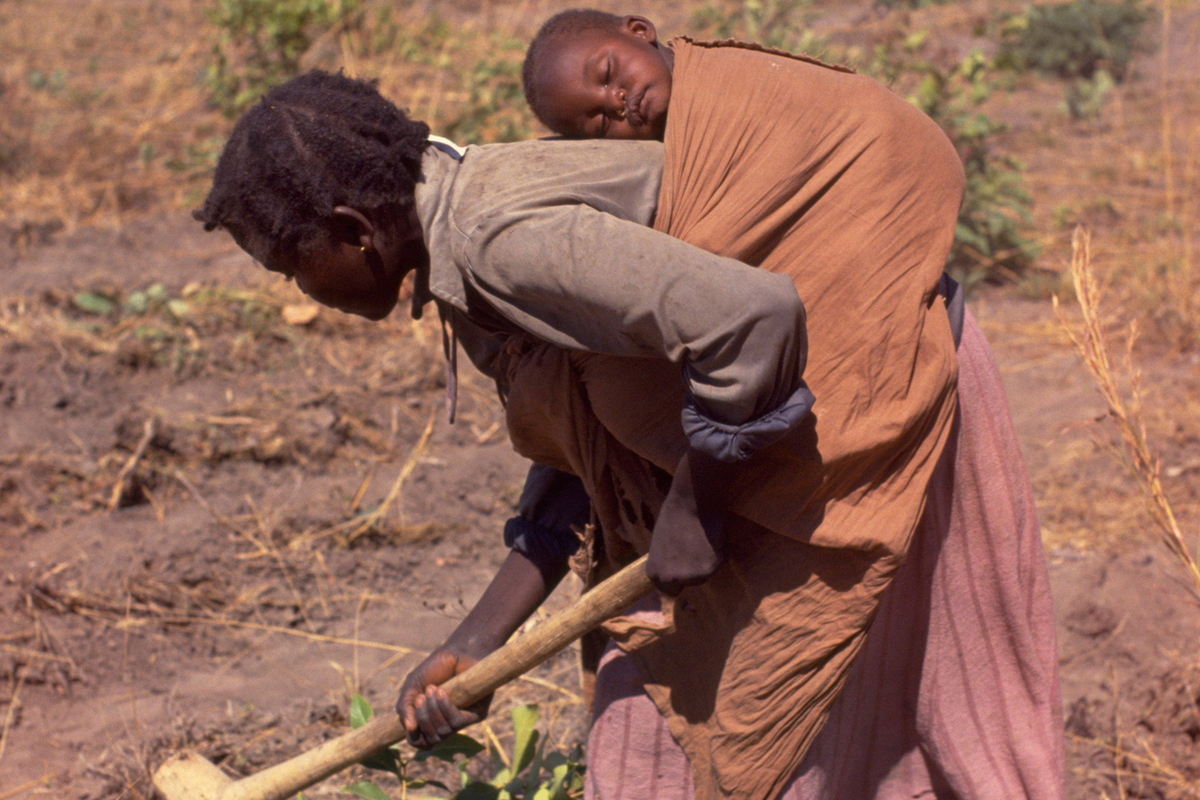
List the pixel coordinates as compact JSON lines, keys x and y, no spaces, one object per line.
{"x":124,"y":483}
{"x":373,"y":519}
{"x":13,"y":703}
{"x":1092,"y":344}
{"x":25,"y":787}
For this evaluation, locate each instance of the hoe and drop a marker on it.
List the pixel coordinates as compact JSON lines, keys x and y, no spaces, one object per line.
{"x":190,"y":776}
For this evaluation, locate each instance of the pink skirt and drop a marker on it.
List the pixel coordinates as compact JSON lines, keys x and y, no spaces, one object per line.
{"x":956,"y":691}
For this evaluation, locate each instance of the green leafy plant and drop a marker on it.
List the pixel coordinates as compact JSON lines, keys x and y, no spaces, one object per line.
{"x":528,"y":773}
{"x":495,"y":108}
{"x":774,"y":23}
{"x":1075,"y":40}
{"x":422,"y":42}
{"x":260,"y":43}
{"x":1085,"y":97}
{"x":910,"y":3}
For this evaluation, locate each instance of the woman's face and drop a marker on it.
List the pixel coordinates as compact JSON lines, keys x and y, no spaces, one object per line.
{"x":343,"y":274}
{"x":607,"y":84}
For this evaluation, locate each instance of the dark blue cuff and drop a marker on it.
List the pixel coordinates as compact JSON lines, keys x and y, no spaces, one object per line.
{"x":733,"y":443}
{"x":956,"y":310}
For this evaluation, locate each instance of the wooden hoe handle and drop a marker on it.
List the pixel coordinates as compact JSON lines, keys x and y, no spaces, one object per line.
{"x":189,"y":776}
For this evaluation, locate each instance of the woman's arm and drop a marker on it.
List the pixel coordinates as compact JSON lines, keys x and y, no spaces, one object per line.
{"x":512,"y":596}
{"x":581,"y":278}
{"x":552,"y":505}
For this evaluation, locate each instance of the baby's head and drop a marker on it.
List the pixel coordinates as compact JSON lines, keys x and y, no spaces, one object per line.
{"x":589,"y":75}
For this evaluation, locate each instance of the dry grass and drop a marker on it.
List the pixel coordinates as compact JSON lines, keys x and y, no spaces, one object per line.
{"x":1119,"y":383}
{"x":1139,"y":759}
{"x":107,"y":115}
{"x":1129,"y":175}
{"x":106,"y":118}
{"x":100,"y":97}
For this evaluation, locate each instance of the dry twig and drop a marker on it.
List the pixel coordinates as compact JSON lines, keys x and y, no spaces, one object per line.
{"x":371,"y":521}
{"x":1093,"y":346}
{"x":25,"y":787}
{"x":124,"y":485}
{"x":14,"y":702}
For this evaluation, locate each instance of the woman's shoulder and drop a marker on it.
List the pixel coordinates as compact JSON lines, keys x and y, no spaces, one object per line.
{"x":501,"y":182}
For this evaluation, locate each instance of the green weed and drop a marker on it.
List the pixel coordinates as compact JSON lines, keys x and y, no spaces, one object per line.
{"x":910,"y":3}
{"x":528,"y":773}
{"x":50,"y":83}
{"x":1075,"y":40}
{"x":775,"y":23}
{"x":260,"y":43}
{"x":1085,"y":97}
{"x":494,"y":109}
{"x":417,"y":43}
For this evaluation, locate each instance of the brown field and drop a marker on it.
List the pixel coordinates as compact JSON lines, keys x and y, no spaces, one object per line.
{"x":197,"y":545}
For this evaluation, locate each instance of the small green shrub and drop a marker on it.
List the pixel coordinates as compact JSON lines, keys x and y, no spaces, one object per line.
{"x":260,"y":43}
{"x":495,"y":108}
{"x":1076,"y":39}
{"x":528,"y":773}
{"x":51,"y":83}
{"x":775,"y":23}
{"x":1085,"y":97}
{"x":417,"y":42}
{"x":910,"y":3}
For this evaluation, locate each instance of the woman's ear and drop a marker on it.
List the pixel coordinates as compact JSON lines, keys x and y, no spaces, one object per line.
{"x":640,"y":27}
{"x":353,"y":227}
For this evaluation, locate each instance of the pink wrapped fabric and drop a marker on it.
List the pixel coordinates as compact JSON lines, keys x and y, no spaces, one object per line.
{"x":955,"y":693}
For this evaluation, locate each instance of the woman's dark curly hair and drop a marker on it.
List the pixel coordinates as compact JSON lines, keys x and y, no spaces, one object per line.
{"x":552,"y":33}
{"x":318,"y":141}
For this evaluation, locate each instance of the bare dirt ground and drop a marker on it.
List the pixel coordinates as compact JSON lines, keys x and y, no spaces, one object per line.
{"x":252,"y":574}
{"x":221,"y":605}
{"x":227,"y":605}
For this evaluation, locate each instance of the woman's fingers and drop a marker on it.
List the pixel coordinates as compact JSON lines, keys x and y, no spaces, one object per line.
{"x":437,"y":725}
{"x":460,"y":718}
{"x":426,"y":734}
{"x":436,"y":717}
{"x":404,"y":705}
{"x":424,"y":706}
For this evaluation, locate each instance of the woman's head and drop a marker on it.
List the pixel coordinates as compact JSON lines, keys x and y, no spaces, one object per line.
{"x":317,"y":181}
{"x":590,"y":74}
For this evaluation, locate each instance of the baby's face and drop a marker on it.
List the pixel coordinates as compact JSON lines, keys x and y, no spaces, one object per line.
{"x":606,"y":84}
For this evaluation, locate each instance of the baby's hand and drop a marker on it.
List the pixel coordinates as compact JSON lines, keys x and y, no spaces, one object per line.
{"x":687,"y":545}
{"x":425,"y":708}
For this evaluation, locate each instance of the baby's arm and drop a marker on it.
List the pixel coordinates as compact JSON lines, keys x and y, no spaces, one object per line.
{"x":581,"y":278}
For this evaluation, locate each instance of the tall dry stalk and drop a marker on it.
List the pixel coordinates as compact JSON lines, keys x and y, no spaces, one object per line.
{"x":1189,"y":184}
{"x":1165,"y":66}
{"x":1092,"y":344}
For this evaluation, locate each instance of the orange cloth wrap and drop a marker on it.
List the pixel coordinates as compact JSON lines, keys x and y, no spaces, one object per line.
{"x":812,"y":171}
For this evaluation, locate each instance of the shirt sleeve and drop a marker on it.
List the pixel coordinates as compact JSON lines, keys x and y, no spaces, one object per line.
{"x":552,"y":505}
{"x":582,"y":278}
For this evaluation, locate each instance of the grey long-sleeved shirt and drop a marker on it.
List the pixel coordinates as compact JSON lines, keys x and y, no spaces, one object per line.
{"x":551,"y":238}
